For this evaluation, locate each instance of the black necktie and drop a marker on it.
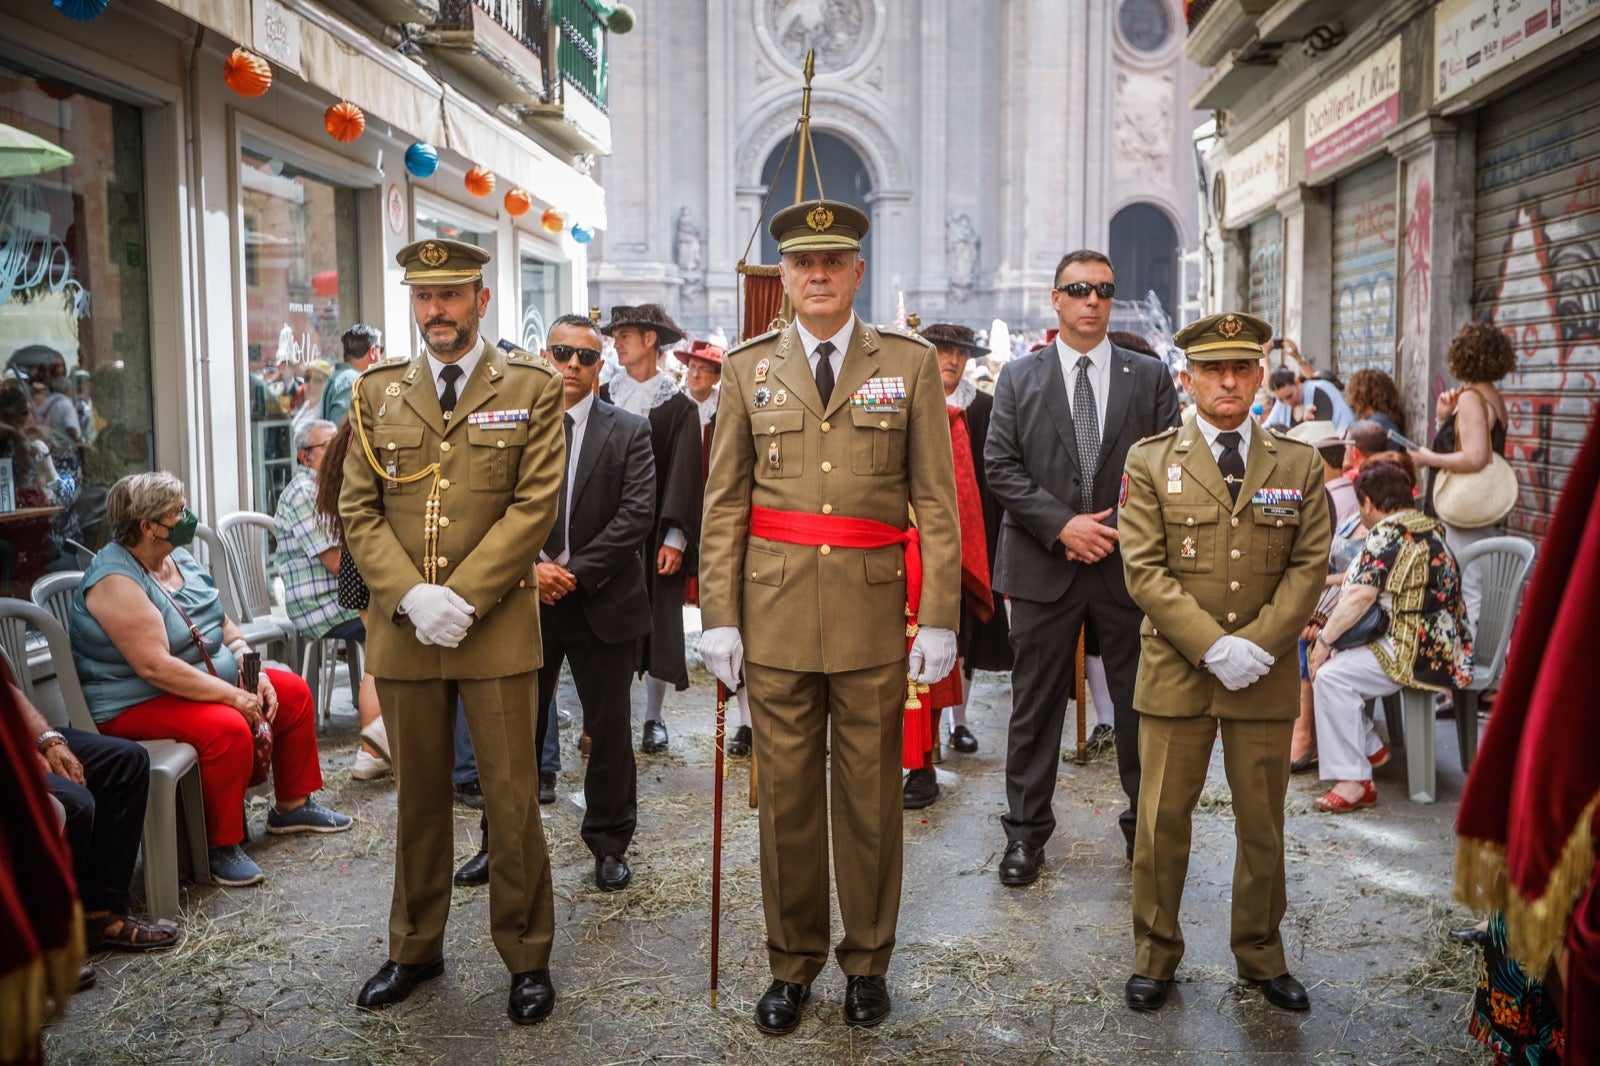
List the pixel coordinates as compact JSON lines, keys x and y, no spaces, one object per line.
{"x":558,"y":535}
{"x":1230,"y":462}
{"x":825,"y":371}
{"x":1087,"y":422}
{"x":447,"y":399}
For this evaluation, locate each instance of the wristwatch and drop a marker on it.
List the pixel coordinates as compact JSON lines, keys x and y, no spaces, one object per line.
{"x":49,"y":739}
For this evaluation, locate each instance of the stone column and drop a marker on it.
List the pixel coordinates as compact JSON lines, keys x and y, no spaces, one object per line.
{"x":894,"y":263}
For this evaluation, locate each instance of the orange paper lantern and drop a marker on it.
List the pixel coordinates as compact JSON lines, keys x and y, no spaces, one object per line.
{"x":518,"y":201}
{"x":552,"y":221}
{"x":344,"y":121}
{"x":480,"y":181}
{"x":247,"y":73}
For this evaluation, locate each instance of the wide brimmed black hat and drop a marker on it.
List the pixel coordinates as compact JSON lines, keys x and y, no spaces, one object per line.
{"x":645,"y":316}
{"x":955,"y":337}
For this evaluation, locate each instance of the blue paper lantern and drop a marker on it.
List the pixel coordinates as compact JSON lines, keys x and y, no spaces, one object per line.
{"x":81,"y":10}
{"x":582,"y":234}
{"x":422,"y":159}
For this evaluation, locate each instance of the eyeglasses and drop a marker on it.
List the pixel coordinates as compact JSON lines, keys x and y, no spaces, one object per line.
{"x":1079,"y":290}
{"x":586,"y":356}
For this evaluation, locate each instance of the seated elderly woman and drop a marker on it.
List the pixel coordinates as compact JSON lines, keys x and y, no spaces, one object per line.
{"x":156,"y":655}
{"x":1420,"y":639}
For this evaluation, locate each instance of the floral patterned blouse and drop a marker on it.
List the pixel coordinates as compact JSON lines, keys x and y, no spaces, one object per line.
{"x":1429,"y":642}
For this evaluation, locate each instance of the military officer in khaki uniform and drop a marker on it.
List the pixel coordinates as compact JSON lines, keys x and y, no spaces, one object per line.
{"x":826,"y":431}
{"x":449,"y":491}
{"x":1225,"y":546}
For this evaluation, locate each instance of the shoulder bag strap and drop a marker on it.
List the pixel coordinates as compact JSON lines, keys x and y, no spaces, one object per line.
{"x":194,"y":630}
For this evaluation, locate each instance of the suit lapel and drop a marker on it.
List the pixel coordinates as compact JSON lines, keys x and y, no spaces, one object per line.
{"x":860,"y":363}
{"x":595,"y":433}
{"x":421,"y":394}
{"x":1258,"y":466}
{"x":790,"y":368}
{"x":1200,"y":464}
{"x":482,"y":386}
{"x":1119,"y":394}
{"x":1053,"y":387}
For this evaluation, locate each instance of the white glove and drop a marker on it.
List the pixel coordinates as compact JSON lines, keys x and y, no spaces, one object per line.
{"x":439,"y":614}
{"x":722,"y":648}
{"x":933,"y":653}
{"x":1237,"y":662}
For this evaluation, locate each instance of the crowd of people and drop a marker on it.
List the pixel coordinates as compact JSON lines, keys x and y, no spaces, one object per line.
{"x":1240,"y":548}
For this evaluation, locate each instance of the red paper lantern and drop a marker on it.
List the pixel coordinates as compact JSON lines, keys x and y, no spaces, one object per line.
{"x":552,"y":221}
{"x":518,"y":201}
{"x":247,"y":73}
{"x":344,"y":121}
{"x":480,"y":181}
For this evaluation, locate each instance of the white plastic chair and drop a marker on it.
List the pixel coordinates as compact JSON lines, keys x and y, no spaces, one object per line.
{"x":54,"y":593}
{"x":175,"y":798}
{"x":1505,"y":563}
{"x":260,"y":632}
{"x":247,"y":539}
{"x":319,"y":666}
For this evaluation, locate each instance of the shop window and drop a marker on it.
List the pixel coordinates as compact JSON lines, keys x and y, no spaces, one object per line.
{"x":301,"y":271}
{"x":75,"y":389}
{"x":541,"y":294}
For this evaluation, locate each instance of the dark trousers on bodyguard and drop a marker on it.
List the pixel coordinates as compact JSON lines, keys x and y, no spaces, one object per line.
{"x":800,"y":721}
{"x":1043,"y":637}
{"x":1176,"y":753}
{"x":420,"y":718}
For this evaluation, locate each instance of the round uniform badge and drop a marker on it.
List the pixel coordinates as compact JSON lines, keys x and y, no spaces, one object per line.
{"x":763,"y":396}
{"x":781,"y":398}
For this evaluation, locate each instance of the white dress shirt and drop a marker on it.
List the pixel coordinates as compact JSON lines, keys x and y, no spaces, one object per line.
{"x":1099,"y":375}
{"x":468,"y":363}
{"x":841,"y":344}
{"x":579,"y":413}
{"x":1209,"y":432}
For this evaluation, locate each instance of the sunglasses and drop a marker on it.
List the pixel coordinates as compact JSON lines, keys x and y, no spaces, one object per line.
{"x":560,"y":353}
{"x":1079,"y":290}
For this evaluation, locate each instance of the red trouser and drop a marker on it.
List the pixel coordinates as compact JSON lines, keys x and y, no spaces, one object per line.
{"x":219,"y":733}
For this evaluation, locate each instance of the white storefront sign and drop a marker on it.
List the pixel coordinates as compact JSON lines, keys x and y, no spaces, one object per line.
{"x":1257,"y":174}
{"x":1474,"y":38}
{"x":1355,"y":111}
{"x":277,"y":33}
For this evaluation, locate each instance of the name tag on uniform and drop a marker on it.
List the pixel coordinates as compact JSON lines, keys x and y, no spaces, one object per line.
{"x":497,"y":419}
{"x":1279,"y":512}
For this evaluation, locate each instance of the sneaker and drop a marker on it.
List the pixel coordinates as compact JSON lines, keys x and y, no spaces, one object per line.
{"x":369,"y":767}
{"x":377,"y":737}
{"x":312,"y":818}
{"x":231,"y":866}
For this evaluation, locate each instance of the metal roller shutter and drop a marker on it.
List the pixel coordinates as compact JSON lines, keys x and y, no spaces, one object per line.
{"x":1364,"y":228}
{"x":1266,"y":272}
{"x":1536,"y":272}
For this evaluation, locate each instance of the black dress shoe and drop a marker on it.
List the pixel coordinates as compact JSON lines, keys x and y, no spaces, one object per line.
{"x":920,"y":790}
{"x":1145,"y":993}
{"x":1285,"y":992}
{"x":866,"y":1000}
{"x":547,"y":786}
{"x":1304,"y":763}
{"x":394,"y":981}
{"x":739,"y":744}
{"x":1101,"y":738}
{"x":654,"y":739}
{"x":1472,"y":936}
{"x":611,"y":873}
{"x":962,"y":740}
{"x":475,"y":871}
{"x":470,"y":793}
{"x":778,"y":1011}
{"x":1021,"y":863}
{"x":532,"y":996}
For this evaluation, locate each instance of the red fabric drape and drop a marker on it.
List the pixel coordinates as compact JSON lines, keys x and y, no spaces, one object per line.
{"x":41,"y":925}
{"x":763,"y":297}
{"x":1528,"y":813}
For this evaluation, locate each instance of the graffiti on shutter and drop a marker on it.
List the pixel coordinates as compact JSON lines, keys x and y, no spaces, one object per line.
{"x":1364,"y":253}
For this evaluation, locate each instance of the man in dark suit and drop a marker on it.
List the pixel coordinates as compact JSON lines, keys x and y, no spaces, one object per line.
{"x":594,"y":607}
{"x":1064,"y":418}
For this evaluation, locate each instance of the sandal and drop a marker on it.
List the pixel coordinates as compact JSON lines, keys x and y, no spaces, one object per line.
{"x":124,"y":932}
{"x":1334,"y":803}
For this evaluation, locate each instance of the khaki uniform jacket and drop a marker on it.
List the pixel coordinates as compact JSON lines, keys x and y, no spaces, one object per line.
{"x":826,"y":609}
{"x":498,"y":485}
{"x":1200,"y":566}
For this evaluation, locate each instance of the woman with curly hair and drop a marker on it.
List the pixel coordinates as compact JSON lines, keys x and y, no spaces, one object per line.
{"x":1372,"y":395}
{"x":1472,"y":427}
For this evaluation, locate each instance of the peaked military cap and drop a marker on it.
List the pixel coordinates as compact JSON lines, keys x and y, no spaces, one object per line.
{"x":818,"y":225}
{"x":1230,"y":335}
{"x":437,"y":261}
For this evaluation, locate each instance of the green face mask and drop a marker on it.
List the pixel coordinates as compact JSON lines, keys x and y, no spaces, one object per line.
{"x":181,"y":533}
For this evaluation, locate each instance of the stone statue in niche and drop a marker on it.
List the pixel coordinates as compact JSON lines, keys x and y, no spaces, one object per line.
{"x":837,"y":29}
{"x":689,"y":243}
{"x":961,"y":247}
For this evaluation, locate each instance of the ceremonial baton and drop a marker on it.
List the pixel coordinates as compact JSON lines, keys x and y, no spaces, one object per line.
{"x":716,"y":840}
{"x":1078,"y":698}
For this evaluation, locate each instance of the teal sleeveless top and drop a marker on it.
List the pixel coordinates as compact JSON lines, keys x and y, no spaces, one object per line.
{"x":110,"y":685}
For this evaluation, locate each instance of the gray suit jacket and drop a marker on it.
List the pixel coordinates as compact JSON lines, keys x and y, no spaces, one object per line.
{"x":1034,"y":469}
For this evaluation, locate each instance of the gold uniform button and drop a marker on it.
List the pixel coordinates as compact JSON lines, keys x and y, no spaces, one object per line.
{"x":499,"y":444}
{"x":393,"y":446}
{"x":443,"y":561}
{"x":826,"y":466}
{"x":826,"y":426}
{"x":444,"y":446}
{"x":1189,"y":521}
{"x":1235,"y":522}
{"x":826,"y":550}
{"x":1279,"y":523}
{"x":1234,"y":554}
{"x":883,"y":423}
{"x":1232,"y":617}
{"x":522,"y":584}
{"x":899,"y":573}
{"x":444,"y":520}
{"x":1233,"y":586}
{"x":771,"y":430}
{"x":444,"y":483}
{"x":827,"y":508}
